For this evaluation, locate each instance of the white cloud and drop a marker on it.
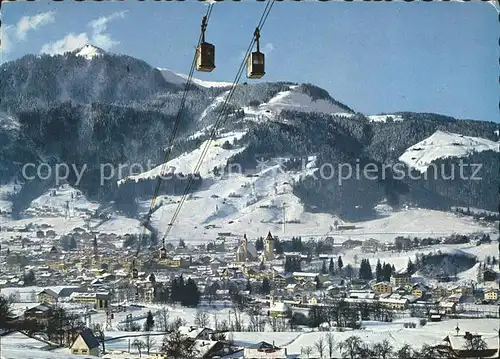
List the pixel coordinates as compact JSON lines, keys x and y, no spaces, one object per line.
{"x":69,"y":43}
{"x":99,"y":25}
{"x":4,"y":36}
{"x":97,"y":37}
{"x":268,"y":48}
{"x":27,"y":23}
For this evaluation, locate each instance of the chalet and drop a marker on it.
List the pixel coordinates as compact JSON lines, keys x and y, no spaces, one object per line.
{"x":350,"y":244}
{"x":265,"y":353}
{"x":399,"y":279}
{"x":419,"y":290}
{"x":448,"y":307}
{"x":85,"y":344}
{"x":278,"y":309}
{"x":41,"y":313}
{"x":490,"y":294}
{"x":196,"y":333}
{"x":394,"y":303}
{"x":305,"y":276}
{"x":47,"y":296}
{"x":454,"y":346}
{"x":210,"y":348}
{"x":176,"y":262}
{"x":382,"y":287}
{"x":99,"y":300}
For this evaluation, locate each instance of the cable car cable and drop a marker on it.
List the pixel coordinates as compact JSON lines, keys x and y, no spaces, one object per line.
{"x":222,"y":115}
{"x":173,"y":136}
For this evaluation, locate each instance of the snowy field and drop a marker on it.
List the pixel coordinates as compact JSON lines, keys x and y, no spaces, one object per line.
{"x":442,"y":145}
{"x":17,"y":346}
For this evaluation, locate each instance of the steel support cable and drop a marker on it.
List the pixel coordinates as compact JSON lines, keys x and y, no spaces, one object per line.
{"x":222,"y":115}
{"x":172,"y":137}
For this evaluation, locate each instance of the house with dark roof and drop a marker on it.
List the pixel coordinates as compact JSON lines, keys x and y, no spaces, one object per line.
{"x":85,"y":344}
{"x":41,"y":313}
{"x":47,"y":296}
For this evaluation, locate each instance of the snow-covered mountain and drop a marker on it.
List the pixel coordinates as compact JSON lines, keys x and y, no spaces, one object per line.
{"x":444,"y":144}
{"x":90,"y":52}
{"x":108,"y":108}
{"x":294,"y":99}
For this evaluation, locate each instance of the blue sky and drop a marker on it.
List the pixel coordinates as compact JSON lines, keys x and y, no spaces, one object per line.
{"x":374,"y":57}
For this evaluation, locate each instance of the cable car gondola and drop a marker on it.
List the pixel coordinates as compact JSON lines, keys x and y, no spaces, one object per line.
{"x":205,"y":52}
{"x":255,"y":62}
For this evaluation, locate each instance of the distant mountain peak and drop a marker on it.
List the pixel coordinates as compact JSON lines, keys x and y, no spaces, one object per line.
{"x":90,"y":51}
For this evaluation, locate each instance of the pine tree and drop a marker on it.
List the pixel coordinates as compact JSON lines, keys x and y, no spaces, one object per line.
{"x":331,"y":267}
{"x":266,"y":286}
{"x":323,"y":268}
{"x":410,"y":268}
{"x":378,"y":272}
{"x":365,"y":270}
{"x":149,"y":324}
{"x":340,"y":264}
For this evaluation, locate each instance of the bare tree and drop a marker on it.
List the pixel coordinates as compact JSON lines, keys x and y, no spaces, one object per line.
{"x":320,"y":346}
{"x":139,"y":345}
{"x":216,"y":321}
{"x":97,"y":328}
{"x":257,"y":323}
{"x":330,"y":341}
{"x":406,"y":352}
{"x":351,"y":347}
{"x":306,"y":351}
{"x":383,"y":350}
{"x":162,"y":320}
{"x":201,"y":320}
{"x":149,"y":343}
{"x":474,"y":342}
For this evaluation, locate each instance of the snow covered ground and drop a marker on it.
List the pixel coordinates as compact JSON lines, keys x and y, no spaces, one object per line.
{"x":383,"y":118}
{"x":89,"y":52}
{"x":8,"y":123}
{"x":186,"y":163}
{"x":56,"y":201}
{"x":5,"y":192}
{"x":181,"y":79}
{"x":442,"y":145}
{"x":18,"y":346}
{"x":294,"y":100}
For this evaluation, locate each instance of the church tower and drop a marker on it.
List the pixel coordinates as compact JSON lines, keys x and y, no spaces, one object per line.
{"x":241,"y":252}
{"x":95,"y":252}
{"x":135,"y":272}
{"x":269,"y":247}
{"x":163,"y":250}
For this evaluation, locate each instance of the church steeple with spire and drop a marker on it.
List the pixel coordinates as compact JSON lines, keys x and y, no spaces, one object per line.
{"x":269,"y":247}
{"x":163,"y":250}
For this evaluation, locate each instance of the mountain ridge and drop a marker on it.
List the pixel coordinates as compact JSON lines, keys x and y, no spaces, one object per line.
{"x":125,"y":111}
